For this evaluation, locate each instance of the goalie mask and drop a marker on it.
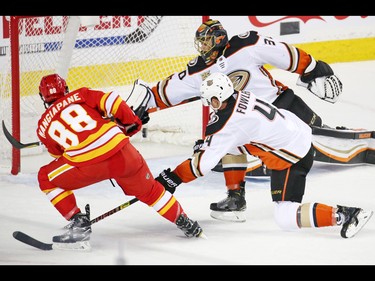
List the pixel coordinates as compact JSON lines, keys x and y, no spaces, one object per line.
{"x":210,"y":40}
{"x":51,"y":88}
{"x":216,"y":85}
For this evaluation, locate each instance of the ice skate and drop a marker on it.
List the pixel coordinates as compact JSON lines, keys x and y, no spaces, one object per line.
{"x":352,"y":220}
{"x":189,"y":228}
{"x":78,"y":235}
{"x":231,"y":208}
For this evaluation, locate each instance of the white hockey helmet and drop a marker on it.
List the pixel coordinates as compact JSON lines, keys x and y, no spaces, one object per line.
{"x":216,"y":85}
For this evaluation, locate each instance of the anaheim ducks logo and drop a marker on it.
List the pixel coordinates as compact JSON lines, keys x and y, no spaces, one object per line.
{"x":213,"y":119}
{"x":240,"y":79}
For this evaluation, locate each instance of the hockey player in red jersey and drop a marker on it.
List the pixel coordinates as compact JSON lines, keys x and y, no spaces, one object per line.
{"x":242,"y":124}
{"x":243,"y":59}
{"x":88,"y":131}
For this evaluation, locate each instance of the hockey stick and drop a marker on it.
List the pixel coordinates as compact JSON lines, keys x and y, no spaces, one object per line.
{"x":115,"y":210}
{"x":111,"y":212}
{"x":16,"y":144}
{"x":24,"y":238}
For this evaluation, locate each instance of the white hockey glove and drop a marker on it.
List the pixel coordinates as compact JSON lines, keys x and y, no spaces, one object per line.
{"x":321,"y":82}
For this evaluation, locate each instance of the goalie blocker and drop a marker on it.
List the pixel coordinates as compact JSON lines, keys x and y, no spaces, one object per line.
{"x":138,"y":99}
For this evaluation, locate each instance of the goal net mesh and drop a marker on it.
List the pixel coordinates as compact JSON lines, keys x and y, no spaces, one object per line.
{"x":101,"y":52}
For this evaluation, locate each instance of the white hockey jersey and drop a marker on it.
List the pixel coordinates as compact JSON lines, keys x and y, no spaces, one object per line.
{"x":243,"y":61}
{"x":250,"y":125}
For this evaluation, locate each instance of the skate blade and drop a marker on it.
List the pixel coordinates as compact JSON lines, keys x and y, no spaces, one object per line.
{"x":202,"y":235}
{"x":233,"y":216}
{"x":364,"y":217}
{"x":77,"y":246}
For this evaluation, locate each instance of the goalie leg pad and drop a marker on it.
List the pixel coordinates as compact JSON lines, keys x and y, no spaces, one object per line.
{"x":343,"y":146}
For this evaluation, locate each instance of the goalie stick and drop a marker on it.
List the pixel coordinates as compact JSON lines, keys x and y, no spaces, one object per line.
{"x":343,"y":133}
{"x":24,"y":238}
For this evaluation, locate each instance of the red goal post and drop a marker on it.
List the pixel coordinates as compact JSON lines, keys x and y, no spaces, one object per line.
{"x":102,"y":52}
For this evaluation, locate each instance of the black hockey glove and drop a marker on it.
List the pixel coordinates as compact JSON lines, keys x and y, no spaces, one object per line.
{"x":142,"y":113}
{"x":145,"y":118}
{"x":320,"y":70}
{"x":169,"y":180}
{"x":133,"y":129}
{"x":198,"y":145}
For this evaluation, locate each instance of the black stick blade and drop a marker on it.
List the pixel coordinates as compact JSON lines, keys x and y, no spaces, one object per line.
{"x":24,"y":238}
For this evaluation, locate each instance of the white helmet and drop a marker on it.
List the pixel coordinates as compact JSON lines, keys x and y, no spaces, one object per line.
{"x":216,"y":85}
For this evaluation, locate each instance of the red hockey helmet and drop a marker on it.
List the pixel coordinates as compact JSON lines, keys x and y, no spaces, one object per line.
{"x":52,"y":87}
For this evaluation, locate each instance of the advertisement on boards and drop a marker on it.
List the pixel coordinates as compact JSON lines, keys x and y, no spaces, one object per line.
{"x":302,"y":29}
{"x":292,"y":29}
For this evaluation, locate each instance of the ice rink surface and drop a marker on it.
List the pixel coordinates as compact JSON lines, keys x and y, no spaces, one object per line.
{"x":137,"y":235}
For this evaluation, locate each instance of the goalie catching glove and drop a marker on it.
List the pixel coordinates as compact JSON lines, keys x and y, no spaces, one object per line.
{"x":320,"y":80}
{"x":169,"y":180}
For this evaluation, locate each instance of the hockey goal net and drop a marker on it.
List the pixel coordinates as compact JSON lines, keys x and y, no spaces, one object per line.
{"x":100,"y":52}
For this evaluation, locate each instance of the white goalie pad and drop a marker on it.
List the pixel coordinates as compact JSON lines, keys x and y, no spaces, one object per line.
{"x":332,"y":145}
{"x":344,"y":151}
{"x":327,"y":88}
{"x":139,"y":96}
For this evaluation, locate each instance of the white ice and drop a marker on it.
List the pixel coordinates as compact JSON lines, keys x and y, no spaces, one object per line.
{"x":137,"y":235}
